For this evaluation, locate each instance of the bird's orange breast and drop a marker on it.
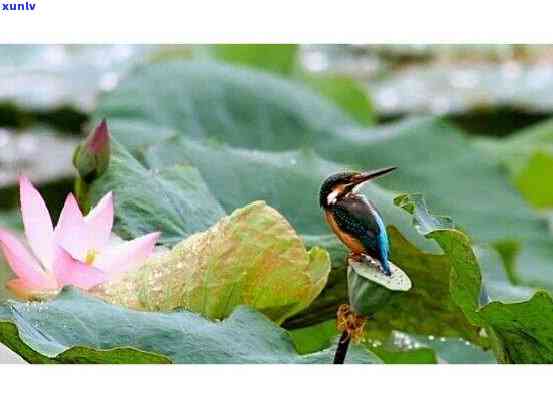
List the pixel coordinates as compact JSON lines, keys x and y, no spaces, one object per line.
{"x":351,"y":242}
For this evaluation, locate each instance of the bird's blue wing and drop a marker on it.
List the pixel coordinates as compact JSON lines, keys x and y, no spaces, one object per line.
{"x":358,"y":217}
{"x":382,"y":242}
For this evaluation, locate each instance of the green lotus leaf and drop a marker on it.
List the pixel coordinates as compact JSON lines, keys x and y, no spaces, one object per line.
{"x":77,"y":328}
{"x":289,"y":182}
{"x":519,"y":332}
{"x":207,"y":100}
{"x":254,"y":136}
{"x":528,"y":156}
{"x":276,"y":58}
{"x":405,"y":348}
{"x":347,"y":93}
{"x":251,"y":110}
{"x":422,"y":355}
{"x":430,"y":299}
{"x":174,"y":201}
{"x":398,"y":347}
{"x":236,"y":177}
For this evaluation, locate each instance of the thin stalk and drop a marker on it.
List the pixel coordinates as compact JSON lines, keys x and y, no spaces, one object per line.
{"x":342,"y":349}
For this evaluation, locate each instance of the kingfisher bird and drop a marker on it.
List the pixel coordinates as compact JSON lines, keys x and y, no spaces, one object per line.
{"x":353,"y":218}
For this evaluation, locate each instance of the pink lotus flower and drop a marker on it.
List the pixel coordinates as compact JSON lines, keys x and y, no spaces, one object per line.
{"x":79,"y":251}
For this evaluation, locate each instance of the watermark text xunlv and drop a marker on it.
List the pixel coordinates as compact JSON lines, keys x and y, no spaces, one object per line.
{"x":18,"y":6}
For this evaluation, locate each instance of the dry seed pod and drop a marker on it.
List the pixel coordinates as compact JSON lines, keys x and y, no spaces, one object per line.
{"x":370,"y":289}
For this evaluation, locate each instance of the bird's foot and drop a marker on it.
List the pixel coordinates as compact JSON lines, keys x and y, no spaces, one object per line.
{"x":351,"y":323}
{"x":356,"y":257}
{"x":365,"y":258}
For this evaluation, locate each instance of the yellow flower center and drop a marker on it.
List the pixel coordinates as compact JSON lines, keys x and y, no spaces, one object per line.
{"x":90,"y":256}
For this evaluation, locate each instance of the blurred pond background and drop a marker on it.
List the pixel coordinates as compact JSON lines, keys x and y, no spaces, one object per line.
{"x":48,"y":92}
{"x":500,"y":96}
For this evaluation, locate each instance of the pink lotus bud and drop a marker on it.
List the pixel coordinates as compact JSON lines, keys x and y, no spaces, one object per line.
{"x":98,"y":141}
{"x":92,"y":157}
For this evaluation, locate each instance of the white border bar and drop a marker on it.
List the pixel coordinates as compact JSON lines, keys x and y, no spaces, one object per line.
{"x":307,"y":21}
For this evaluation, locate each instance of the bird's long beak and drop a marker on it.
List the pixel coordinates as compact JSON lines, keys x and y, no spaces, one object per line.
{"x":369,"y":175}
